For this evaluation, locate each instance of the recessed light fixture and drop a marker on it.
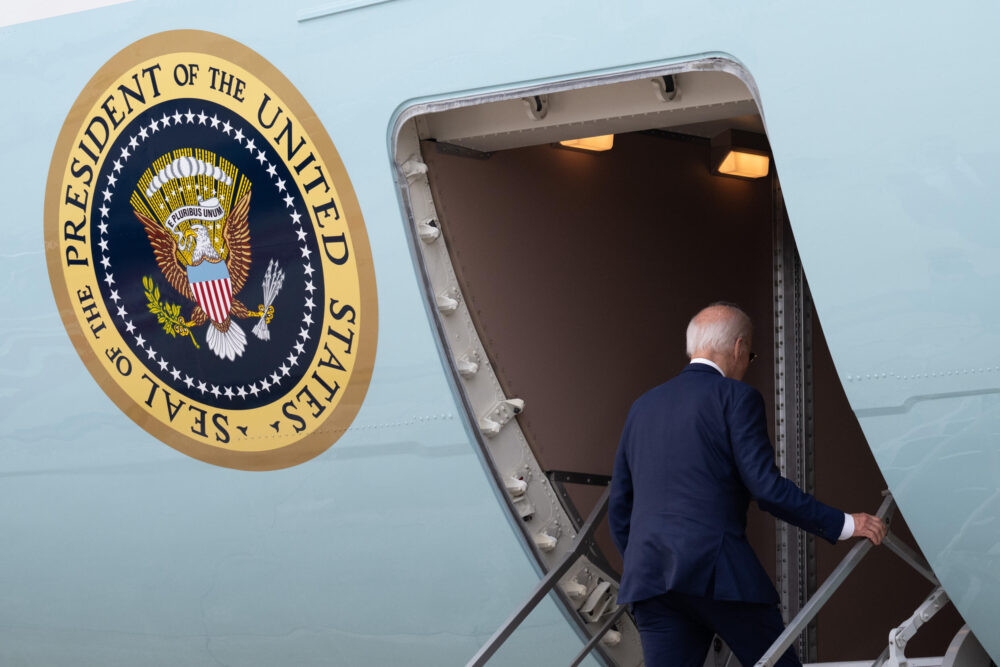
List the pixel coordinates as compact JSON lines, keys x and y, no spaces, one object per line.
{"x":603,"y":142}
{"x":740,"y":154}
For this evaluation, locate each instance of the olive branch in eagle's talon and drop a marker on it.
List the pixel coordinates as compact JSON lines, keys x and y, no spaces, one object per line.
{"x":167,"y":314}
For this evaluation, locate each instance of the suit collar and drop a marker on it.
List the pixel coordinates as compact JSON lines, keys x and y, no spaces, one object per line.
{"x":701,"y":368}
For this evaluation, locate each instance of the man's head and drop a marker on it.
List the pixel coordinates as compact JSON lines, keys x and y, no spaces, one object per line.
{"x":723,"y":333}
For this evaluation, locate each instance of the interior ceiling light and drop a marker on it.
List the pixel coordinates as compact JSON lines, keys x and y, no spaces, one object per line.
{"x":603,"y":142}
{"x":740,"y":154}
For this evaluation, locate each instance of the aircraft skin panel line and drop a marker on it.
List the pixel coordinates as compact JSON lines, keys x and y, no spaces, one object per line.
{"x":336,"y":8}
{"x":35,"y":11}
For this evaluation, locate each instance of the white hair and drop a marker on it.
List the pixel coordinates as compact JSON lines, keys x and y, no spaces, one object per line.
{"x":716,"y":328}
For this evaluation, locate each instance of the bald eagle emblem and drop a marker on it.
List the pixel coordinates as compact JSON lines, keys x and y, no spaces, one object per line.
{"x":194,"y":207}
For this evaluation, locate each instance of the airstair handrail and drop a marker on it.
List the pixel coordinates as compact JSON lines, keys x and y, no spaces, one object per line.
{"x":581,"y":542}
{"x":584,"y":539}
{"x":837,"y":577}
{"x":824,"y":592}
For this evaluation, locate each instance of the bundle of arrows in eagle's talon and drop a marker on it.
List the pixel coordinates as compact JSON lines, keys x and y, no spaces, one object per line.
{"x":273,"y":279}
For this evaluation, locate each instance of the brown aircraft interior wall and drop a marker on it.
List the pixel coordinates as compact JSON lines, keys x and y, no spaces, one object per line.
{"x":581,"y":271}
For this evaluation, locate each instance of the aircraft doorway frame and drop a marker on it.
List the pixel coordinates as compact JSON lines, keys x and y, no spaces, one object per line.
{"x":525,"y":490}
{"x":793,"y":420}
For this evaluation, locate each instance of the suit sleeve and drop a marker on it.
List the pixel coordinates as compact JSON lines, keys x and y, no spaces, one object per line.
{"x":754,"y":457}
{"x":620,"y":500}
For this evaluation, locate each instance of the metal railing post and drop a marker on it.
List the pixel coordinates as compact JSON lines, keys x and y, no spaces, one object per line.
{"x":585,"y":651}
{"x":910,"y":557}
{"x":580,"y":543}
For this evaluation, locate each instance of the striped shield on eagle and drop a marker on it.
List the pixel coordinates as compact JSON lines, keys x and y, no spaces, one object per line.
{"x":202,"y":249}
{"x":212,"y":289}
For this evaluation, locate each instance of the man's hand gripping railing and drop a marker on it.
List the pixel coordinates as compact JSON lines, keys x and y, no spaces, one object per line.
{"x":827,"y":589}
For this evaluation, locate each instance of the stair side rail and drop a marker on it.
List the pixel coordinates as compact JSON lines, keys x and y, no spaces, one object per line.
{"x":581,"y":543}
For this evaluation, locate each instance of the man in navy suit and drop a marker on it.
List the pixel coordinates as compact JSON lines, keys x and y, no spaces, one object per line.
{"x":693,"y":453}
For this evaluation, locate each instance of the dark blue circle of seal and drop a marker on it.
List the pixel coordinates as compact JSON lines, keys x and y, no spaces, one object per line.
{"x":280,"y":230}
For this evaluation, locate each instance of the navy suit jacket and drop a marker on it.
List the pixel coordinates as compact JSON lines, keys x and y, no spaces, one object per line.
{"x":693,"y":453}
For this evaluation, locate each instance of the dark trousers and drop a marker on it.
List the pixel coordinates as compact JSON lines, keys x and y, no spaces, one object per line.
{"x":677,"y":630}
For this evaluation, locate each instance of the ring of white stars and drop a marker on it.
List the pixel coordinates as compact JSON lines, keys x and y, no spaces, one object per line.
{"x":262,"y":384}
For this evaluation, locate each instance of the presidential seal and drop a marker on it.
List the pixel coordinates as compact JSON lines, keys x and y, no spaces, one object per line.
{"x":208,"y":254}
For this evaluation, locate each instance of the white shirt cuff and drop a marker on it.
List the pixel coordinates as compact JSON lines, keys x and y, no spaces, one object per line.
{"x":848,"y":529}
